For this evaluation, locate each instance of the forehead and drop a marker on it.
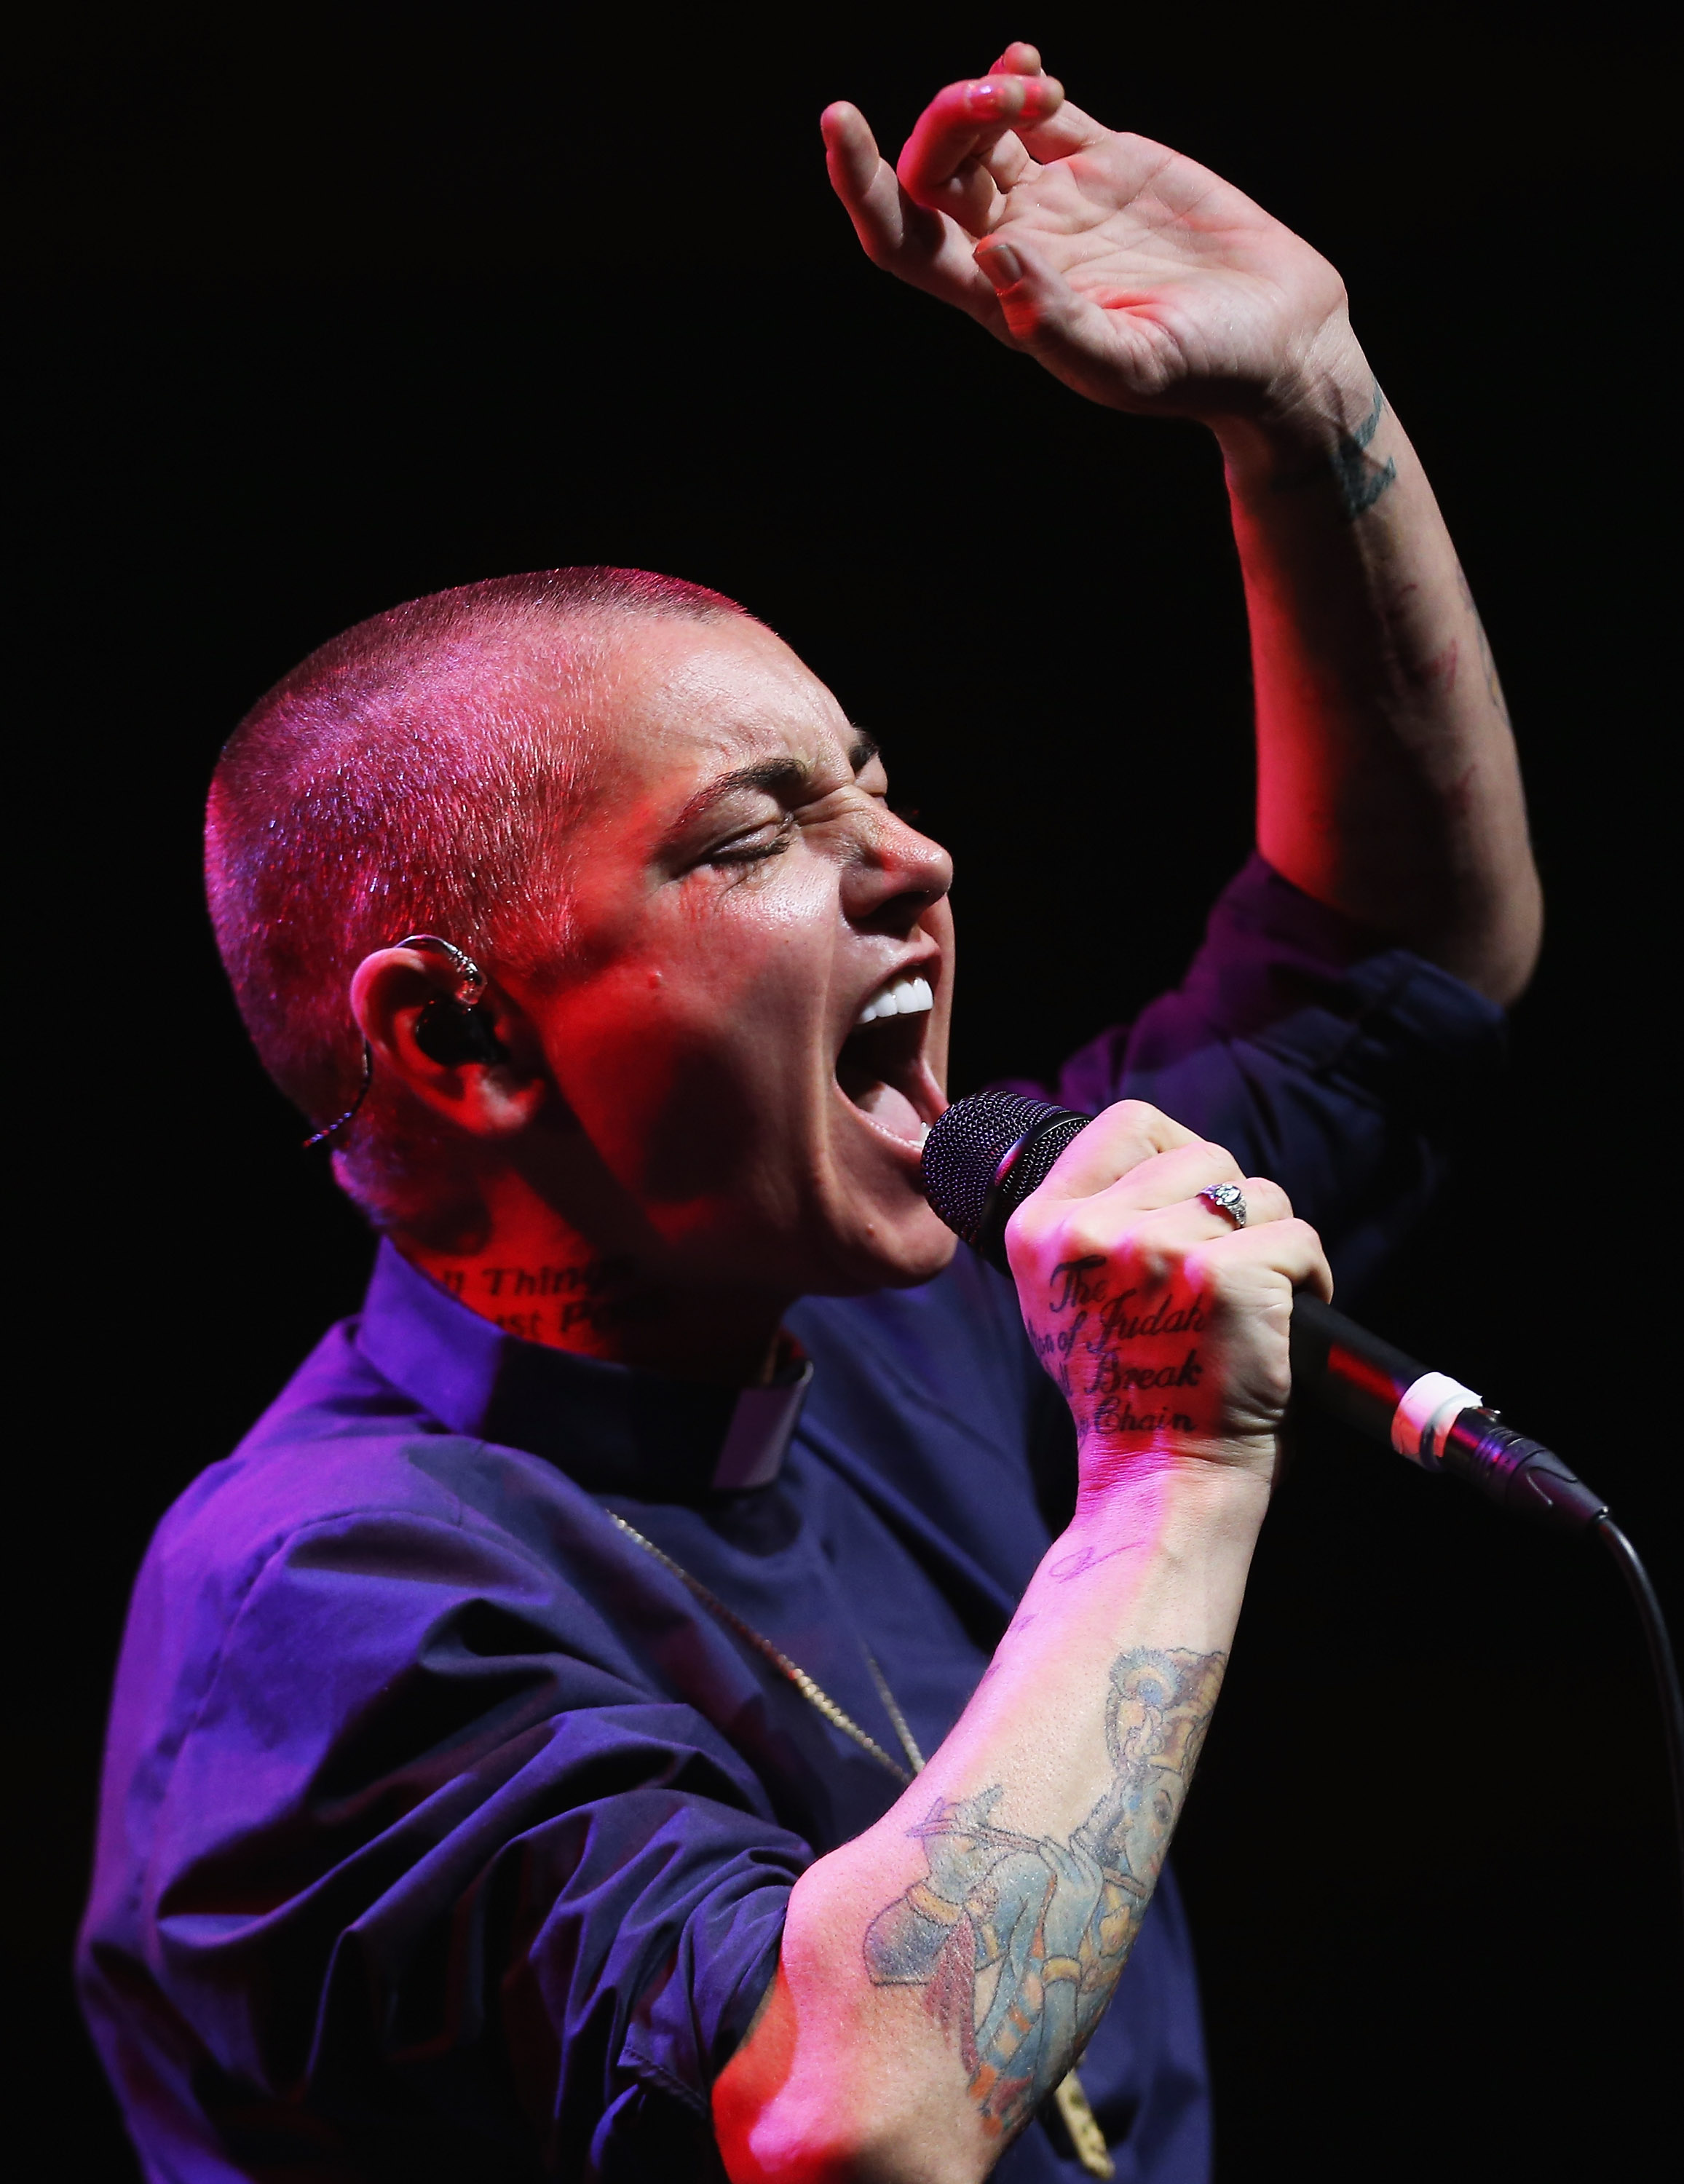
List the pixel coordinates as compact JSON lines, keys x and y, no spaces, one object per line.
{"x":678,"y":701}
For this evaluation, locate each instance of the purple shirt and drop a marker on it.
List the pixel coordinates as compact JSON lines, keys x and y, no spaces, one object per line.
{"x":444,"y":1834}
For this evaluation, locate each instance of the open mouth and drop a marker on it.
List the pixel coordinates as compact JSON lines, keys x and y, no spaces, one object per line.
{"x":881,"y":1068}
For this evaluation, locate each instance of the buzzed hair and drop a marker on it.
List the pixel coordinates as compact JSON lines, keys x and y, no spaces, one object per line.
{"x":417,"y":774}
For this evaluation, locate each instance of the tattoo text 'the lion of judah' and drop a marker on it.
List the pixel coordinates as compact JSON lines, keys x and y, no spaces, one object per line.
{"x":1018,"y":1940}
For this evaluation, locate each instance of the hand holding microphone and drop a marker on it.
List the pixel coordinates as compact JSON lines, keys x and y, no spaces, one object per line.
{"x":1156,"y":1286}
{"x":994,"y":1153}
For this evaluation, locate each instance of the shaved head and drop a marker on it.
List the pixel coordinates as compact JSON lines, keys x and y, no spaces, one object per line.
{"x":419,"y":773}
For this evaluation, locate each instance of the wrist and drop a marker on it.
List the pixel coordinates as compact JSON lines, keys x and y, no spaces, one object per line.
{"x":1170,"y":1494}
{"x":1320,"y":398}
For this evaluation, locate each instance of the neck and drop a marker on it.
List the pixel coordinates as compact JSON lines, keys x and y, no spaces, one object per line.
{"x":536,"y":1277}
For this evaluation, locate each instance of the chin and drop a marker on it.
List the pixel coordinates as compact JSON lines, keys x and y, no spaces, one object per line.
{"x":889,"y":1256}
{"x":935,"y":1258}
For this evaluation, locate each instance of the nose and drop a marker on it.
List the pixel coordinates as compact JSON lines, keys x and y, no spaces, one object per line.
{"x":895,"y":873}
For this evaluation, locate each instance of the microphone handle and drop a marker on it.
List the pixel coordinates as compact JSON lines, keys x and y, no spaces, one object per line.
{"x":1432,"y":1419}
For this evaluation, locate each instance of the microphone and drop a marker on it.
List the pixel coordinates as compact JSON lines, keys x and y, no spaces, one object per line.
{"x":987,"y":1153}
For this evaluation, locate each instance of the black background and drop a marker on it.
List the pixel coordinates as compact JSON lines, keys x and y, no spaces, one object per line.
{"x":323,"y":311}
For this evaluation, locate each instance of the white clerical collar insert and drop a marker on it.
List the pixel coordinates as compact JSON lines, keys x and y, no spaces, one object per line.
{"x":758,"y":1437}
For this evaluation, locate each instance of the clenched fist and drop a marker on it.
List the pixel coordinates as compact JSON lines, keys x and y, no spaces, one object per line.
{"x":1163,"y":1323}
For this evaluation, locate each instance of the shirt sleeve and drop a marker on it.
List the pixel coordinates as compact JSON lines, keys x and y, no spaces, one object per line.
{"x":1341,"y":1068}
{"x":434,"y":1880}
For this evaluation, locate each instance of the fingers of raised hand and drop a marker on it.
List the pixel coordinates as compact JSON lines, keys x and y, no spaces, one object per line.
{"x":919,"y":246}
{"x":1020,"y":57}
{"x":850,"y":151}
{"x":887,"y":223}
{"x":1008,"y":162}
{"x":957,"y":159}
{"x":1066,"y":129}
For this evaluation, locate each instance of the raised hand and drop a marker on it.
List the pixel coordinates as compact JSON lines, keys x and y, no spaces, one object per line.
{"x":1136,"y":276}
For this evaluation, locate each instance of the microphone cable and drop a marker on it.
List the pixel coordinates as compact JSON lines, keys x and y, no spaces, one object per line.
{"x":1663,"y":1666}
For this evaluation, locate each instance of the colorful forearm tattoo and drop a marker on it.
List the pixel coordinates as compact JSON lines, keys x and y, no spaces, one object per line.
{"x":1018,"y":1941}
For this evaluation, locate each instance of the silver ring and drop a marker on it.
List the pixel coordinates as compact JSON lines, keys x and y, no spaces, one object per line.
{"x":1226,"y":1198}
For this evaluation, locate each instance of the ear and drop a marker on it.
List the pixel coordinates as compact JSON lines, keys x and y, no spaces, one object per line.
{"x":493,"y":1096}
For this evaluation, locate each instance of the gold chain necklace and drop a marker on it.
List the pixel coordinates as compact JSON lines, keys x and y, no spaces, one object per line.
{"x":1086,"y":2137}
{"x":797,"y":1675}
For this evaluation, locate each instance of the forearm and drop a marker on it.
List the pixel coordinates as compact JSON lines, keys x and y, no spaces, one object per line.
{"x":1387,"y":780}
{"x":940,"y":1973}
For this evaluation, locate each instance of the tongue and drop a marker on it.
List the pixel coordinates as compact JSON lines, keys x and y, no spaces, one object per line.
{"x":890,"y":1110}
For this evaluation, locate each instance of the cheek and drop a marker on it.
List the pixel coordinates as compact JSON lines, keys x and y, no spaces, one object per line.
{"x":666,"y":1097}
{"x":755,"y":966}
{"x":737,"y":933}
{"x":693,"y":1058}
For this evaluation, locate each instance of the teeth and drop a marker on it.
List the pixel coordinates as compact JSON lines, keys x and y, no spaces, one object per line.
{"x":904,"y":997}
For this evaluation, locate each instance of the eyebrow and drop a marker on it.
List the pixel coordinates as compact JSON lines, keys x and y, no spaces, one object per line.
{"x":778,"y":776}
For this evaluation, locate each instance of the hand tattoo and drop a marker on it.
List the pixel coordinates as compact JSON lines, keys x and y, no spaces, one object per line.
{"x":1085,"y":1355}
{"x":1018,"y":1941}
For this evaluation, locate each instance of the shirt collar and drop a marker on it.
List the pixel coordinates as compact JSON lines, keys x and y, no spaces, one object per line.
{"x":605,"y":1426}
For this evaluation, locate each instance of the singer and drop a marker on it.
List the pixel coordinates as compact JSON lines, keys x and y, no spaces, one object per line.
{"x":696,"y":1678}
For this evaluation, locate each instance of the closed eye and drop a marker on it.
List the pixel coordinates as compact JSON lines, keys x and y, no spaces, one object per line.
{"x":770,"y":840}
{"x":792,"y":783}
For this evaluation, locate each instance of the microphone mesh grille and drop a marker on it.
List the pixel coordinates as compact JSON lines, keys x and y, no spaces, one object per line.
{"x":963,"y":1152}
{"x":1032,"y":1171}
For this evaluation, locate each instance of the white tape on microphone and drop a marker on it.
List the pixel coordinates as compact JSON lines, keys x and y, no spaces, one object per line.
{"x":1429,"y":1407}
